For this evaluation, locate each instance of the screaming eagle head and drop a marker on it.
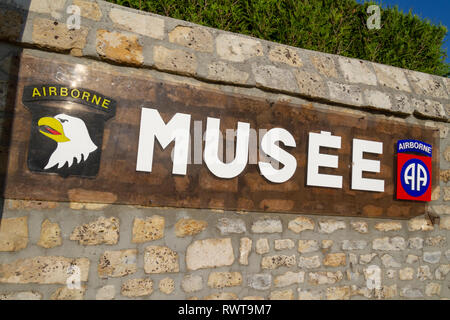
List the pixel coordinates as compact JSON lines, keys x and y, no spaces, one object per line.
{"x":72,"y":137}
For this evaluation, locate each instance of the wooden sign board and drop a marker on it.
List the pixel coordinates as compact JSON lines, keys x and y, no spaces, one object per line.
{"x":114,"y":128}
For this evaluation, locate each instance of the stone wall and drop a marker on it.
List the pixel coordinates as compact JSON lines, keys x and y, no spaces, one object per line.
{"x":126,"y":252}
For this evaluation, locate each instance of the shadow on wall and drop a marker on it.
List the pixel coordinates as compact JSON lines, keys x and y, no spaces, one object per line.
{"x":12,"y":25}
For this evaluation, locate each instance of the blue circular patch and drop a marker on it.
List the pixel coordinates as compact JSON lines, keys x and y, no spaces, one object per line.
{"x":416,"y":169}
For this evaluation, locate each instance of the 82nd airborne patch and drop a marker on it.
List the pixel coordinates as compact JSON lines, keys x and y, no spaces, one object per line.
{"x":67,"y":129}
{"x":413,"y":170}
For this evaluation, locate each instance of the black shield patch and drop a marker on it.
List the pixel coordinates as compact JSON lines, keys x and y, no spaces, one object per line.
{"x":67,"y":129}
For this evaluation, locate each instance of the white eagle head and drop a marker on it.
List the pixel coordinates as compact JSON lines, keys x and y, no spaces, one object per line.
{"x":72,"y":137}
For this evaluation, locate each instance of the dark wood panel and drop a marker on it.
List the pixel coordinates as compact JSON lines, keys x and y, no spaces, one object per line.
{"x":118,"y":182}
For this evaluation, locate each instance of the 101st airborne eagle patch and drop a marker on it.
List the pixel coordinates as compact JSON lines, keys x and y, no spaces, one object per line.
{"x":67,"y":129}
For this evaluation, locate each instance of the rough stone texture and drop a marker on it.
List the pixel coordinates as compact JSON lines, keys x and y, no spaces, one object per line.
{"x":432,"y":257}
{"x":284,"y":244}
{"x":221,"y":296}
{"x":406,"y":273}
{"x":50,"y":235}
{"x":366,"y":258}
{"x":445,"y":223}
{"x":159,"y":259}
{"x":433,"y":289}
{"x":300,"y":224}
{"x":325,"y":65}
{"x":400,"y":104}
{"x":271,"y":77}
{"x":357,"y":71}
{"x":64,"y":293}
{"x":209,"y":253}
{"x":428,"y":108}
{"x":426,"y":84}
{"x":447,"y":153}
{"x":117,"y":263}
{"x":189,"y":227}
{"x":411,"y":258}
{"x":389,"y":244}
{"x":377,"y":99}
{"x":262,"y":246}
{"x":102,"y":231}
{"x":282,"y":295}
{"x":338,"y":293}
{"x":354,"y":244}
{"x":442,"y":209}
{"x":317,"y":278}
{"x":236,"y":48}
{"x":424,"y":273}
{"x":151,"y":228}
{"x":419,"y":224}
{"x":389,"y":261}
{"x":276,"y":261}
{"x":107,"y":292}
{"x":365,"y":292}
{"x":260,"y":281}
{"x":330,"y":226}
{"x":89,"y":10}
{"x":58,"y":36}
{"x":267,"y":226}
{"x":166,"y":285}
{"x":309,"y":262}
{"x":345,"y":93}
{"x":26,"y":204}
{"x":391,"y":77}
{"x":224,"y":279}
{"x":445,"y":175}
{"x":326,"y":244}
{"x":438,"y":241}
{"x":137,"y":287}
{"x":446,"y":193}
{"x":192,"y":37}
{"x":253,"y":298}
{"x":228,"y":226}
{"x":244,"y":250}
{"x":415,"y":243}
{"x":180,"y":61}
{"x":310,"y":84}
{"x":306,"y":294}
{"x":390,"y":273}
{"x":305,"y":246}
{"x":285,"y":55}
{"x":289,"y":278}
{"x":386,"y":292}
{"x":409,"y":292}
{"x":360,"y":226}
{"x":225,"y":72}
{"x":13,"y":234}
{"x":24,"y":295}
{"x":388,"y":226}
{"x":192,"y":283}
{"x":334,"y":260}
{"x":436,"y":193}
{"x":144,"y":24}
{"x":119,"y":47}
{"x":52,"y":7}
{"x":43,"y":270}
{"x":442,"y":271}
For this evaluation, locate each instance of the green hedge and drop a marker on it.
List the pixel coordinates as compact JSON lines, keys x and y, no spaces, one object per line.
{"x":332,"y":26}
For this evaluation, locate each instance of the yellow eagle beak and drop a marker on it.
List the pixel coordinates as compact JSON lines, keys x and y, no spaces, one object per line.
{"x":52,"y":128}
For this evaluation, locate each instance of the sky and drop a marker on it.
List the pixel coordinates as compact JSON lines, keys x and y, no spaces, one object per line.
{"x":435,"y":10}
